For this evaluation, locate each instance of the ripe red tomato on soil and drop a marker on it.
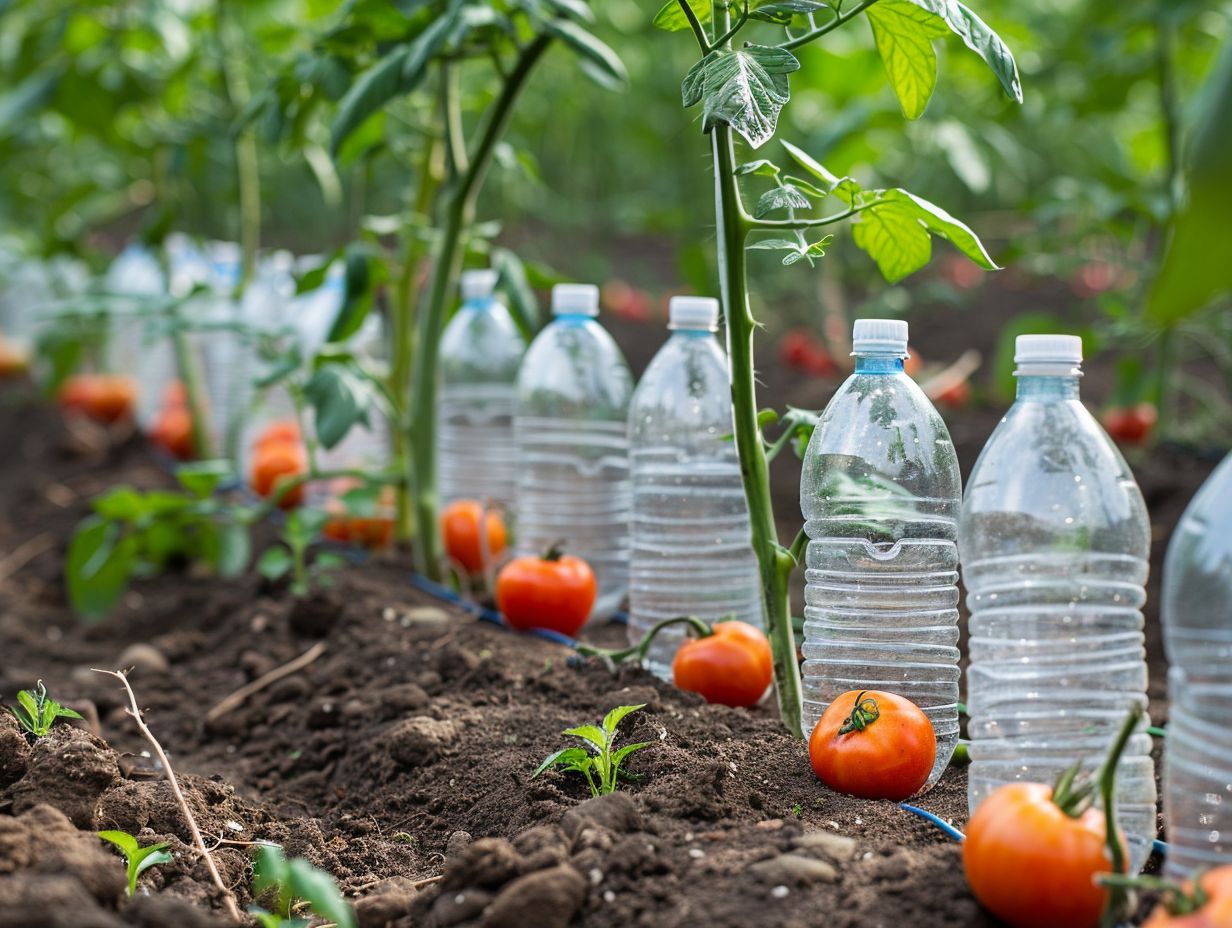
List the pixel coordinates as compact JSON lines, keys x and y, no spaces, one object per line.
{"x":732,"y":666}
{"x":555,"y":591}
{"x":1131,"y":425}
{"x":873,"y":745}
{"x":105,"y":398}
{"x":1032,"y":864}
{"x":460,"y":530}
{"x":1216,"y":912}
{"x":271,"y":464}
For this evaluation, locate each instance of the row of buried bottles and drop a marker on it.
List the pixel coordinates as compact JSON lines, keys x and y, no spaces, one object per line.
{"x":1052,"y":535}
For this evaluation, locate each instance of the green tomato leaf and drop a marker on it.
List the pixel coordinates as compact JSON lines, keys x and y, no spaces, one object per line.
{"x":761,"y":167}
{"x":340,"y":398}
{"x":976,"y":35}
{"x":942,"y":224}
{"x":744,"y":88}
{"x":599,"y":62}
{"x":357,"y":296}
{"x":370,"y":92}
{"x":844,"y":188}
{"x":904,"y":33}
{"x":893,"y":236}
{"x":234,"y":549}
{"x":672,"y":18}
{"x":782,"y":12}
{"x":614,"y":718}
{"x":202,"y":478}
{"x":98,"y":567}
{"x":785,"y":197}
{"x":275,"y":562}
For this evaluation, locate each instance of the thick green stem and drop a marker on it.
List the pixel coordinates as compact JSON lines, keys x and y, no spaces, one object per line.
{"x":774,"y":561}
{"x":642,"y":648}
{"x":1118,"y":899}
{"x":194,"y":388}
{"x":446,"y":267}
{"x":247,"y":163}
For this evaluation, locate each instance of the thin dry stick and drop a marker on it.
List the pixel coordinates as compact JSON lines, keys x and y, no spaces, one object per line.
{"x":24,"y":553}
{"x":135,"y":711}
{"x":236,"y":699}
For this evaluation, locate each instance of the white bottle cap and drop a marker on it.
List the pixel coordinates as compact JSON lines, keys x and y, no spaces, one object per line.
{"x":693,"y":312}
{"x":478,"y":285}
{"x":575,"y":299}
{"x":1048,"y":355}
{"x":880,"y":336}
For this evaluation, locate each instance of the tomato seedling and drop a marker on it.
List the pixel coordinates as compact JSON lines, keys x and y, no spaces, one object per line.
{"x":36,"y":712}
{"x":138,"y":859}
{"x":1033,"y":853}
{"x":287,"y":881}
{"x":291,"y":554}
{"x":873,"y":745}
{"x":599,"y":761}
{"x":555,"y":591}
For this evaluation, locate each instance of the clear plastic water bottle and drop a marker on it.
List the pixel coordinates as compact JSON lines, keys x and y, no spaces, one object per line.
{"x":481,"y":352}
{"x":1055,"y":542}
{"x":572,"y":437}
{"x":691,"y":553}
{"x":1197,"y":614}
{"x":881,"y":491}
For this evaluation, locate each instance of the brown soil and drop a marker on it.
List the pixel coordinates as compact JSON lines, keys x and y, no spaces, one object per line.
{"x":405,"y":751}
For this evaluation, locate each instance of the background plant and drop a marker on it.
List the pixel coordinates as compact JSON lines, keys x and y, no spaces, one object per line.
{"x":292,"y":556}
{"x":288,"y":882}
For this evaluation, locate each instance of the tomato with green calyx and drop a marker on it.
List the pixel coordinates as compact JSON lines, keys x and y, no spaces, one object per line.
{"x":1034,"y":854}
{"x":464,"y":543}
{"x":873,"y":745}
{"x":555,"y":591}
{"x":731,"y":666}
{"x":1207,"y":905}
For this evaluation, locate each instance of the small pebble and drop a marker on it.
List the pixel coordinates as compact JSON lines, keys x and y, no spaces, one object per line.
{"x":780,"y":892}
{"x":144,"y":657}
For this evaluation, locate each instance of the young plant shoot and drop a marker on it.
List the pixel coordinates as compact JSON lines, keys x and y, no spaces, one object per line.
{"x":285,"y":882}
{"x":292,"y":554}
{"x":138,"y":859}
{"x":599,"y":761}
{"x":36,"y":712}
{"x":742,"y":88}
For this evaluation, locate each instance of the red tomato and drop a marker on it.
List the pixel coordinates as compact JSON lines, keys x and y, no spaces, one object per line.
{"x":817,"y":361}
{"x":873,"y":745}
{"x":555,"y":592}
{"x":732,"y":667}
{"x":271,"y":464}
{"x":77,"y":393}
{"x":956,"y":396}
{"x":173,"y":432}
{"x":1131,"y":425}
{"x":460,"y":530}
{"x":794,"y":348}
{"x":913,"y":363}
{"x":1033,"y":865}
{"x":1216,"y":912}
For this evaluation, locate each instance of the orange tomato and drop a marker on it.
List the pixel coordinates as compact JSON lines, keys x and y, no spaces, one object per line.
{"x":284,"y":431}
{"x":873,"y":745}
{"x":173,"y":432}
{"x":1216,"y":912}
{"x":1033,"y":865}
{"x":460,"y":530}
{"x":175,"y":395}
{"x":371,"y":531}
{"x":555,"y":592}
{"x":274,"y":462}
{"x":104,"y":397}
{"x":732,"y":666}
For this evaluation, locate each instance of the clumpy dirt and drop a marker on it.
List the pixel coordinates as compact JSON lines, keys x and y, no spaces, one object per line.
{"x":400,"y":758}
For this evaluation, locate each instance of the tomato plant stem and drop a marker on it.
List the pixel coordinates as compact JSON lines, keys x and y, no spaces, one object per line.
{"x":459,"y":207}
{"x":775,"y":563}
{"x":1118,"y":898}
{"x":641,"y":649}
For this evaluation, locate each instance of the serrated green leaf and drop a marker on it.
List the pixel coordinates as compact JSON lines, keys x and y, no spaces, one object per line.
{"x":614,"y":718}
{"x":599,"y":62}
{"x":672,"y":17}
{"x":893,"y":236}
{"x":843,"y":188}
{"x":977,"y":36}
{"x":761,"y":167}
{"x":744,"y":88}
{"x":904,"y":34}
{"x":942,"y":224}
{"x":785,"y":197}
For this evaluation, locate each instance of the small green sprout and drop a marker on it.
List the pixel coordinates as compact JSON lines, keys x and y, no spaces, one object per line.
{"x":37,"y":711}
{"x":291,"y":880}
{"x":139,"y":859}
{"x":598,"y":762}
{"x":290,"y":555}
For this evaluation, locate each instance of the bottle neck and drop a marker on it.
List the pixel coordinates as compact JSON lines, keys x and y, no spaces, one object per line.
{"x":878,"y":364}
{"x":572,"y":318}
{"x":692,"y":333}
{"x":1047,"y":387}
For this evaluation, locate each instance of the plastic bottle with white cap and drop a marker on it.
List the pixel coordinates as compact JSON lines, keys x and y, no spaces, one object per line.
{"x":691,"y":550}
{"x":572,"y":441}
{"x":1055,"y":540}
{"x":481,"y":353}
{"x":880,"y":491}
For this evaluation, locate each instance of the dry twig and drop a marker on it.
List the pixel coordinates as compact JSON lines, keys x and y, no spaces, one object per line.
{"x":24,"y":553}
{"x":135,"y":711}
{"x":236,"y":699}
